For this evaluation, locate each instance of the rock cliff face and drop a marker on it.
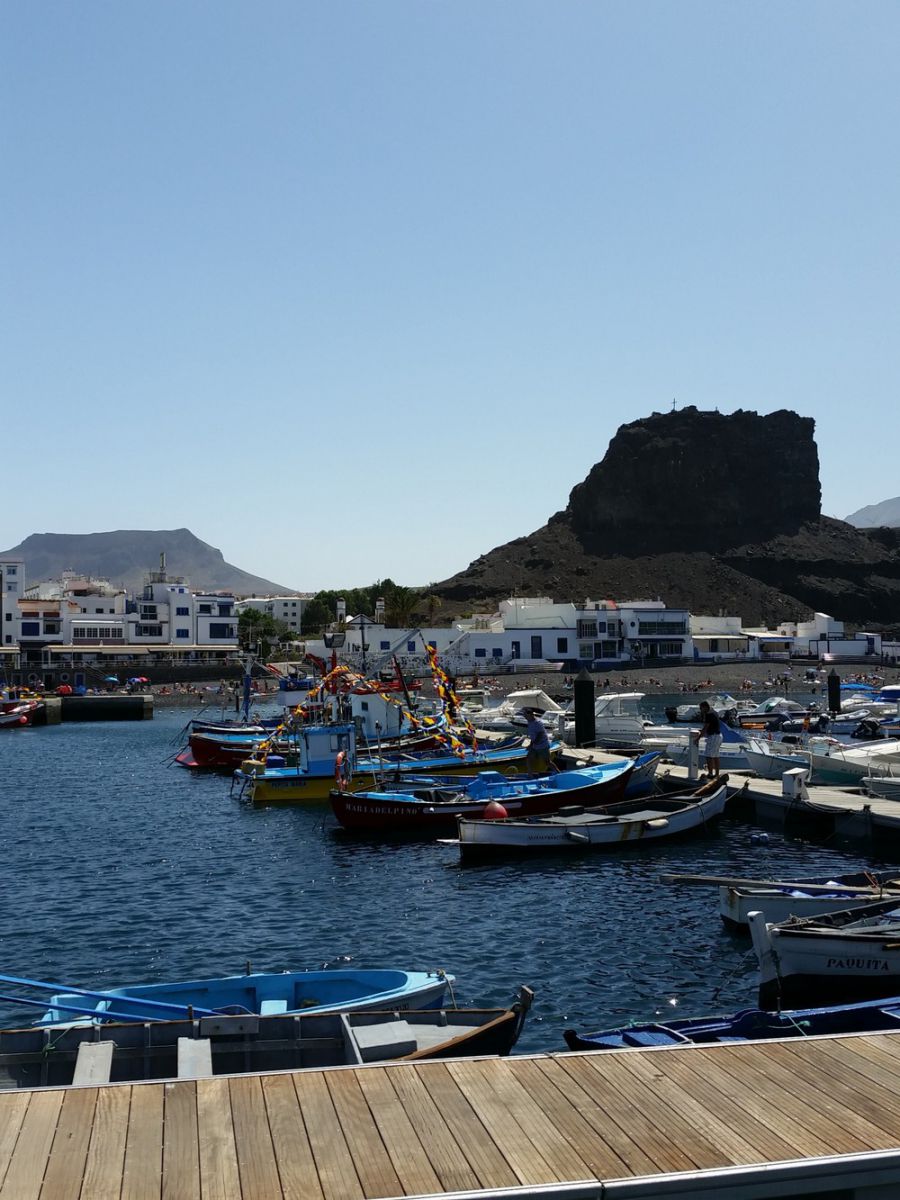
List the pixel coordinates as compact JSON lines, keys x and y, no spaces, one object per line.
{"x":706,"y":511}
{"x":690,"y":480}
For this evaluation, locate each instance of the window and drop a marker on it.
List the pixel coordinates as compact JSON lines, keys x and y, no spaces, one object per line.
{"x":663,"y":628}
{"x":411,"y":646}
{"x":588,"y":629}
{"x":205,"y":610}
{"x":182,"y":612}
{"x":29,"y":628}
{"x":224,"y":610}
{"x":149,"y":630}
{"x":609,"y":649}
{"x":497,"y":652}
{"x":11,"y":586}
{"x":585,"y":650}
{"x":221,"y":631}
{"x":384,"y":645}
{"x":562,"y":645}
{"x":12,"y":571}
{"x":182,"y":633}
{"x":669,"y":648}
{"x":9,"y":637}
{"x":9,"y":616}
{"x":480,"y":652}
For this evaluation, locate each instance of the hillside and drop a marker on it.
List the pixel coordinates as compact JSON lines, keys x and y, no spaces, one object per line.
{"x":124,"y":556}
{"x":713,"y":512}
{"x":886,"y":513}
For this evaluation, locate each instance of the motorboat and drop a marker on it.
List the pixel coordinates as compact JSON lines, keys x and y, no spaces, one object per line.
{"x":720,"y":702}
{"x":512,"y":712}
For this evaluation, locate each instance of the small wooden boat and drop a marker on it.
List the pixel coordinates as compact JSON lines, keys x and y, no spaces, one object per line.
{"x":749,"y":1025}
{"x":608,"y":827}
{"x":839,"y":957}
{"x":430,"y":808}
{"x":259,"y":993}
{"x":228,"y":1045}
{"x":781,"y":899}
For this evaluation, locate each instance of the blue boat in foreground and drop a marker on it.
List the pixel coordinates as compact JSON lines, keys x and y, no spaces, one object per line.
{"x":263,"y":994}
{"x":749,"y":1025}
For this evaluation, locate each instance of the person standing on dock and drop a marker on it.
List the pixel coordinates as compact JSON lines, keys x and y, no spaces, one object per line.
{"x":712,"y":731}
{"x":538,"y":745}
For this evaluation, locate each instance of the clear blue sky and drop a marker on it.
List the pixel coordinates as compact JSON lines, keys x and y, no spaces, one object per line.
{"x":362,"y":289}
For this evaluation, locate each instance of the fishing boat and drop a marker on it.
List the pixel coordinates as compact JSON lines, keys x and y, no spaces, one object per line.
{"x":612,"y":826}
{"x":842,"y":956}
{"x":430,"y":808}
{"x":15,"y":714}
{"x":318,"y":768}
{"x":229,"y":1045}
{"x":780,"y":899}
{"x":749,"y":1025}
{"x":260,"y":993}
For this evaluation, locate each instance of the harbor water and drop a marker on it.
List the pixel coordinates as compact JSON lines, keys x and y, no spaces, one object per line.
{"x":119,"y":867}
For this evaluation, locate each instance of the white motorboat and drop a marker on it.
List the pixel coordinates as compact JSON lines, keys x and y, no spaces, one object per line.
{"x":843,"y":956}
{"x":608,"y":827}
{"x":720,"y":702}
{"x":850,"y":765}
{"x":512,"y":712}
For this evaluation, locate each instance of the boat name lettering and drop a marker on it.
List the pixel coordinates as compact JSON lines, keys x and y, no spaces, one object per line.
{"x":857,"y":964}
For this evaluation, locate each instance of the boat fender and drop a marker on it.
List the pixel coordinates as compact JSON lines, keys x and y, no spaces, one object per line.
{"x":576,"y":836}
{"x":494,"y":811}
{"x":342,"y":772}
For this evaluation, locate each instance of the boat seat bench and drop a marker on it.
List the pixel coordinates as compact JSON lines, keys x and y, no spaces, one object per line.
{"x":271,"y":1008}
{"x":387,"y":1039}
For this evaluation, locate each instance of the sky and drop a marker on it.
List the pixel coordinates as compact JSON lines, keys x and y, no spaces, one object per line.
{"x":362,"y":288}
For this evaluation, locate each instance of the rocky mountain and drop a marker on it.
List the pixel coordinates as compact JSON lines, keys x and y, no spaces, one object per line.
{"x":887,"y":513}
{"x":705,"y":510}
{"x":124,"y":556}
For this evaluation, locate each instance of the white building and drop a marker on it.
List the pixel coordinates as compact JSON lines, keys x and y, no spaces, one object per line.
{"x":529,"y":632}
{"x":288,"y":609}
{"x":12,"y":588}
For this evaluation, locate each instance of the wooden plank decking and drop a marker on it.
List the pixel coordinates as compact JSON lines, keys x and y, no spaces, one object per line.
{"x":413,"y":1129}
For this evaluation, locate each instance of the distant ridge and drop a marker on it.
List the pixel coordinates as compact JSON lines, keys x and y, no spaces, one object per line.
{"x":887,"y":513}
{"x":124,"y":556}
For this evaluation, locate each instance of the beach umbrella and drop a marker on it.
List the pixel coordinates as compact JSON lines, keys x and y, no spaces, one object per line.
{"x":110,"y":679}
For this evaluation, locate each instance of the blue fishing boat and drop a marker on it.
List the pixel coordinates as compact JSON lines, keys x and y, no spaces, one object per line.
{"x":430,"y":806}
{"x":263,"y":994}
{"x":749,"y":1025}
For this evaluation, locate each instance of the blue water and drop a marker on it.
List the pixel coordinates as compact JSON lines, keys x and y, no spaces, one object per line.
{"x":118,"y":868}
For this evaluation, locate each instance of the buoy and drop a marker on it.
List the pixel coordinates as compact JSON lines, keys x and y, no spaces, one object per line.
{"x":494,"y":811}
{"x":24,"y":721}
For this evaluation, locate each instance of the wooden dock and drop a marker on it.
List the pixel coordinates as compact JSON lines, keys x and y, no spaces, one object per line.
{"x":850,"y":814}
{"x":688,"y":1120}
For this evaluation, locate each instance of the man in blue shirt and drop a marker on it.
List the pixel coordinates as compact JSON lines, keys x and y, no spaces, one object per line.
{"x":538,"y":745}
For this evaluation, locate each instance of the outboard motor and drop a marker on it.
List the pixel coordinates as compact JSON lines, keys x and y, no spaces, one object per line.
{"x":867,"y":731}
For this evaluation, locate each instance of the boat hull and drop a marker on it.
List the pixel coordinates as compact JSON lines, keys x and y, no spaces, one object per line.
{"x":610,"y":829}
{"x":288,"y":786}
{"x":386,"y":812}
{"x":262,"y":994}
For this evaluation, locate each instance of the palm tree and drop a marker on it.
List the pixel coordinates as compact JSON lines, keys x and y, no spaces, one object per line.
{"x":399,"y":606}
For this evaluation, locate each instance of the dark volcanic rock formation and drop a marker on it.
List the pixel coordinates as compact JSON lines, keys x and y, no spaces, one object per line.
{"x":706,"y":511}
{"x":690,"y":480}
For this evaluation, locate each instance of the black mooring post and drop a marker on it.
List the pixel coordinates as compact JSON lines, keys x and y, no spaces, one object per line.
{"x":583,"y":691}
{"x":834,"y":691}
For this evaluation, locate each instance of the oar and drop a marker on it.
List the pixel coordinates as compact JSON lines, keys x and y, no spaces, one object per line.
{"x":87,"y":1012}
{"x":42,"y":985}
{"x":728,"y":881}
